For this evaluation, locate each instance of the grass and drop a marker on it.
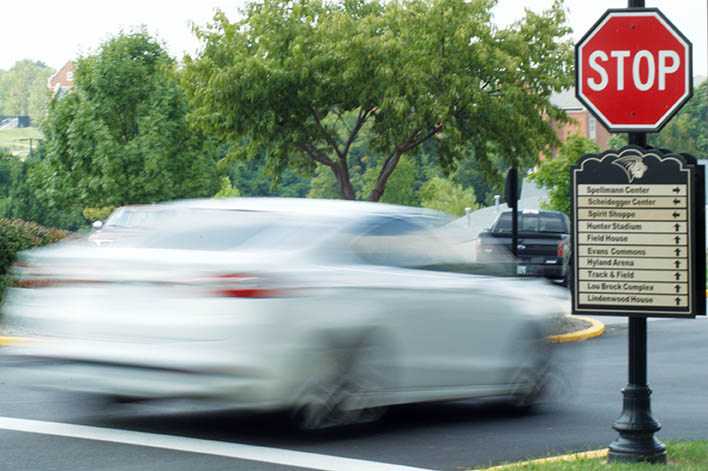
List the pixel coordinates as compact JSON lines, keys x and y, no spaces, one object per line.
{"x":681,"y":456}
{"x":11,"y":140}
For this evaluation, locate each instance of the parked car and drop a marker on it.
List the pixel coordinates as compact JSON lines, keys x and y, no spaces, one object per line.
{"x":543,"y":247}
{"x":332,"y":310}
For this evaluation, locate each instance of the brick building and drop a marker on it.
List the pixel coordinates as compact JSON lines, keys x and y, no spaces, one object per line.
{"x":62,"y":81}
{"x":584,"y":123}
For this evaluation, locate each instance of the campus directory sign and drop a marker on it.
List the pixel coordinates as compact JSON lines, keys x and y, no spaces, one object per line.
{"x":638,"y":234}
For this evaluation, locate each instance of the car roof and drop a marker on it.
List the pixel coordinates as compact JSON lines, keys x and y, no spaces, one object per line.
{"x":306,"y":206}
{"x":534,"y":211}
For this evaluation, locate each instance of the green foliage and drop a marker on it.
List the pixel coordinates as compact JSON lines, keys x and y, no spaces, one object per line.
{"x":554,"y":172}
{"x":227,"y":190}
{"x":442,"y":194}
{"x":617,"y":141}
{"x":121,"y":136}
{"x":685,"y":132}
{"x":251,"y":180}
{"x":308,"y":83}
{"x":23,"y":90}
{"x":323,"y":185}
{"x":485,"y":187}
{"x":19,"y":201}
{"x":17,"y":235}
{"x":682,"y":456}
{"x":402,"y":188}
{"x":97,"y":214}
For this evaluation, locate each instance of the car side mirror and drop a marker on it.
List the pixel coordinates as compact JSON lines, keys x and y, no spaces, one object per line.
{"x":97,"y":224}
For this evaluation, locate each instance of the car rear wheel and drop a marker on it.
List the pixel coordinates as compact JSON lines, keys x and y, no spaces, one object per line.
{"x":345,"y":392}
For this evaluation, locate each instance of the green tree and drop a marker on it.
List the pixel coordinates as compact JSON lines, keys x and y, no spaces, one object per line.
{"x":485,"y":186}
{"x":250,"y":178}
{"x":289,"y":77}
{"x":444,"y":195}
{"x":23,"y":90}
{"x":554,"y":172}
{"x":227,"y":190}
{"x":685,"y":132}
{"x":121,"y":135}
{"x":18,"y":200}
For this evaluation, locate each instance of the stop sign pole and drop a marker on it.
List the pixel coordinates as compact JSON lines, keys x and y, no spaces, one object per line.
{"x":636,"y":424}
{"x":634,"y":79}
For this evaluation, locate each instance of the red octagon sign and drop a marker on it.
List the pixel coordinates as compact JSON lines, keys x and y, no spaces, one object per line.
{"x":633,"y":70}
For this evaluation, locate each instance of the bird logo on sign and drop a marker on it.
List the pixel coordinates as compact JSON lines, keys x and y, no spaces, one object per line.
{"x":633,"y":166}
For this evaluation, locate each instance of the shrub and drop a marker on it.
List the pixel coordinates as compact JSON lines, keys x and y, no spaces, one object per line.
{"x":17,"y":235}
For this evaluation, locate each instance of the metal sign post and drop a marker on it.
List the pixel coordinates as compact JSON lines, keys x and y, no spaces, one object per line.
{"x":511,"y":193}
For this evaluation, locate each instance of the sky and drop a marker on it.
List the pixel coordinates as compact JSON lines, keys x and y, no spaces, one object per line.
{"x":54,"y":32}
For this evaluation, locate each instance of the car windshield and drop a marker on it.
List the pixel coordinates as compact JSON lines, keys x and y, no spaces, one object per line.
{"x":138,"y":217}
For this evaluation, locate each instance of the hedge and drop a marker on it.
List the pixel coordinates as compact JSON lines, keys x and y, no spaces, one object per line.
{"x":17,"y":235}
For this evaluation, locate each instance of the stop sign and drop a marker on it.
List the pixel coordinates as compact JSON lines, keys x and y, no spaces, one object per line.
{"x":633,"y":70}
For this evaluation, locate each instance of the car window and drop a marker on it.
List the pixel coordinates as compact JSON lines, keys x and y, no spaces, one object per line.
{"x":532,"y":222}
{"x":215,"y":230}
{"x":397,"y":242}
{"x":139,"y":217}
{"x":503,"y":223}
{"x":552,"y":223}
{"x":203,"y":238}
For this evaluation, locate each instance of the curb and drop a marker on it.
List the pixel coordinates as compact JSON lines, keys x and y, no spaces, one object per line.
{"x":571,"y":457}
{"x":596,"y":329}
{"x":6,"y":341}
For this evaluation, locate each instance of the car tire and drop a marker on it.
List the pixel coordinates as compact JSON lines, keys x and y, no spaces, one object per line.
{"x":567,"y":280}
{"x":345,"y":391}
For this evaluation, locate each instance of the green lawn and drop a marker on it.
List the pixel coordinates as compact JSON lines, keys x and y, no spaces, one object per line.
{"x":15,"y":140}
{"x":682,"y":456}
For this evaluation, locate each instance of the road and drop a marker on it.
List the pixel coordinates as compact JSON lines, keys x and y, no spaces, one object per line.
{"x":58,"y":432}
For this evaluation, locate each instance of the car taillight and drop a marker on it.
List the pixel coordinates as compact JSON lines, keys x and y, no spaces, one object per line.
{"x":479,"y":247}
{"x":561,"y":246}
{"x":241,"y":285}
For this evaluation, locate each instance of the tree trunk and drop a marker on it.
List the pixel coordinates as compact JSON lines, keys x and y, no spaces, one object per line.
{"x":346,"y":189}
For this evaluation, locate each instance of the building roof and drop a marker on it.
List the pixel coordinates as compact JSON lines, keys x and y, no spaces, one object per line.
{"x":566,"y":100}
{"x":62,"y":81}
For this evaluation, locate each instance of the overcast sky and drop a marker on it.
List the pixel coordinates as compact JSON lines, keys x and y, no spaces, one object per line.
{"x":55,"y":31}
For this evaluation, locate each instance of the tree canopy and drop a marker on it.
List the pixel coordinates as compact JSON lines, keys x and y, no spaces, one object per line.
{"x":685,"y":132}
{"x":121,"y":135}
{"x":306,"y":81}
{"x":554,"y":172}
{"x":23,"y":89}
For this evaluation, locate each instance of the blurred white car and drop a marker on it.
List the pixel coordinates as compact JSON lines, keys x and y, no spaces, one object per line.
{"x":330,"y":309}
{"x":130,"y":221}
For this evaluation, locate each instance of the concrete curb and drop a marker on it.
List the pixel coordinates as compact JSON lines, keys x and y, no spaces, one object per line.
{"x":11,"y":341}
{"x":571,"y":457}
{"x":596,"y":329}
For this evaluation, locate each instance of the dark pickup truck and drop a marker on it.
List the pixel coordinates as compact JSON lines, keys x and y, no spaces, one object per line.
{"x":543,"y":244}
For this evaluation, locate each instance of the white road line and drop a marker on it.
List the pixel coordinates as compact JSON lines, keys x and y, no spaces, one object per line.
{"x":195,"y":445}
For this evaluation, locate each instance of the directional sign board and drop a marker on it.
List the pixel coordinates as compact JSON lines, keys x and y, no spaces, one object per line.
{"x":638,"y":227}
